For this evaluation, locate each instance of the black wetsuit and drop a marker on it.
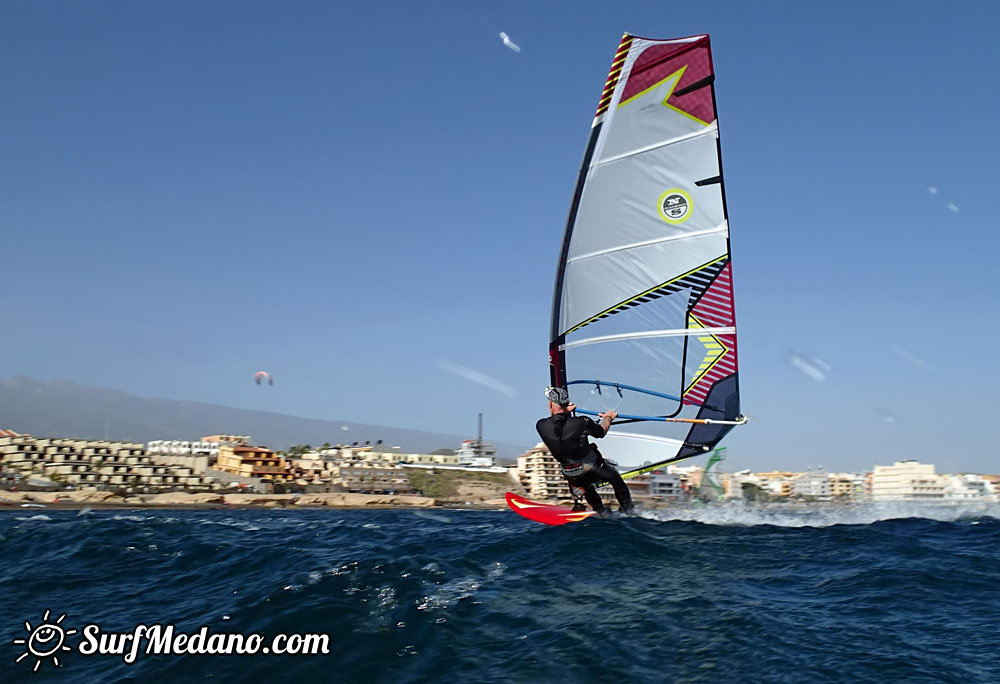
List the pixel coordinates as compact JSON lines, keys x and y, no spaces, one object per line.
{"x":582,"y":464}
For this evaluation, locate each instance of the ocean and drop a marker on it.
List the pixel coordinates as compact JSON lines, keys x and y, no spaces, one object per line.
{"x":703,"y":594}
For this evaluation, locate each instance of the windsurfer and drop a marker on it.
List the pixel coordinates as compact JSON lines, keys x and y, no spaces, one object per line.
{"x":566,"y":436}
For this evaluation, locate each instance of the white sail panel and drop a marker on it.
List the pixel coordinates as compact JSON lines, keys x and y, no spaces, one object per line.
{"x":647,"y":120}
{"x":602,"y":283}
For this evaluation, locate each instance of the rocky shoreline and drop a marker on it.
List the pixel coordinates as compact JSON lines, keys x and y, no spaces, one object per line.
{"x":96,"y":499}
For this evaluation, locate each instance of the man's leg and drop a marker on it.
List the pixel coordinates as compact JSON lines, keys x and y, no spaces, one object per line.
{"x":594,"y":499}
{"x":622,"y":492}
{"x":586,"y":483}
{"x":575,"y":493}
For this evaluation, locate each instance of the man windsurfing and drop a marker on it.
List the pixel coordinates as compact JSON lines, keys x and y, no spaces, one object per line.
{"x":566,"y":436}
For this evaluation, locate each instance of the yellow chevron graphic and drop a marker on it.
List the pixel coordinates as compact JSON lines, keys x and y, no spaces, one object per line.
{"x":714,"y":350}
{"x":524,"y":505}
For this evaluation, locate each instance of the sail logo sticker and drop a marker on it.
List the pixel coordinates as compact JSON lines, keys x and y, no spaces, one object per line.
{"x":675,"y":206}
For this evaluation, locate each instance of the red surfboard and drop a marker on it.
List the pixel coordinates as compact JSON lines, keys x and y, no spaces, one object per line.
{"x":544,"y":513}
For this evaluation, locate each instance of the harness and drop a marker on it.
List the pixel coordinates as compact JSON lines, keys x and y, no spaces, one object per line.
{"x":581,"y":468}
{"x":572,"y":470}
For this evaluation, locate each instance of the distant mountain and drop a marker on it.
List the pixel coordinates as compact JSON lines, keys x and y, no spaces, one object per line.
{"x":65,"y":409}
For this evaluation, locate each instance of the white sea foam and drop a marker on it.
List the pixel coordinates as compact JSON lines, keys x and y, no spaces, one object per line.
{"x":432,"y":516}
{"x":385,"y":601}
{"x":229,"y":522}
{"x":458,"y":589}
{"x":344,"y":569}
{"x":788,"y":515}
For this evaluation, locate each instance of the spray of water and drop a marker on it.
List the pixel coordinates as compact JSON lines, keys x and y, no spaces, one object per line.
{"x":739,"y":513}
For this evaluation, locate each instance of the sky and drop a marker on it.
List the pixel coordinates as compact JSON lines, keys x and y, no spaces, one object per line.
{"x":367,"y":199}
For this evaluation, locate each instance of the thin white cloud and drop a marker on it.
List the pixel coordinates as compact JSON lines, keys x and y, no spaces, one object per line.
{"x":809,"y":366}
{"x":477,"y":377}
{"x":910,"y":357}
{"x":886,"y":416}
{"x":952,"y":207}
{"x":509,"y":43}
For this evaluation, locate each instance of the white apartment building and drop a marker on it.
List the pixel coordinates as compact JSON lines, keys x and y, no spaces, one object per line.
{"x":78,"y":462}
{"x":540,"y":475}
{"x":690,"y":475}
{"x":777,"y":482}
{"x":970,"y":487}
{"x":476,"y":453}
{"x":847,"y":486}
{"x":392,"y":454}
{"x":666,"y":485}
{"x":377,"y":477}
{"x":907,"y":481}
{"x":814,"y":483}
{"x":177,"y":447}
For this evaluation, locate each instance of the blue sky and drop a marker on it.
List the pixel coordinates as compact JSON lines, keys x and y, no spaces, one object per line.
{"x":363,"y":198}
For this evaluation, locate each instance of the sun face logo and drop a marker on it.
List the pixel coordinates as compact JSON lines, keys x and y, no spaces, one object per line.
{"x":675,"y":206}
{"x":46,"y":640}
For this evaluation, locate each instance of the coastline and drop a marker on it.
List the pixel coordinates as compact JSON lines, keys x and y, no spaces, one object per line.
{"x":94,"y":500}
{"x":43,"y":508}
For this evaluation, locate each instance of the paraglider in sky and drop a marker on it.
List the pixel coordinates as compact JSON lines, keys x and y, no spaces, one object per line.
{"x":260,"y":376}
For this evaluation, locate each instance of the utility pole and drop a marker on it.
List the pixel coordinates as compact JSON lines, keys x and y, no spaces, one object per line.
{"x":479,"y":442}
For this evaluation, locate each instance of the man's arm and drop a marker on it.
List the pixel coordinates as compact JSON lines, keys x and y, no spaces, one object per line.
{"x":606,"y":419}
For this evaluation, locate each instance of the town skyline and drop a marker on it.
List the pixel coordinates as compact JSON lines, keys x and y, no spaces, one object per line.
{"x":211,"y":461}
{"x":333,"y":429}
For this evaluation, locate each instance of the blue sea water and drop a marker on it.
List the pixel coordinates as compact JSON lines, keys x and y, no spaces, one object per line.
{"x":711,"y":594}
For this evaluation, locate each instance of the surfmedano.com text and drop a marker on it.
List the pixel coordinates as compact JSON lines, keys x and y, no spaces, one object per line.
{"x":164,"y":640}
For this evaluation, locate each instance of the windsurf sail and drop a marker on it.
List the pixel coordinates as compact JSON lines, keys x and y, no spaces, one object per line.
{"x":643,"y":320}
{"x":710,"y":489}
